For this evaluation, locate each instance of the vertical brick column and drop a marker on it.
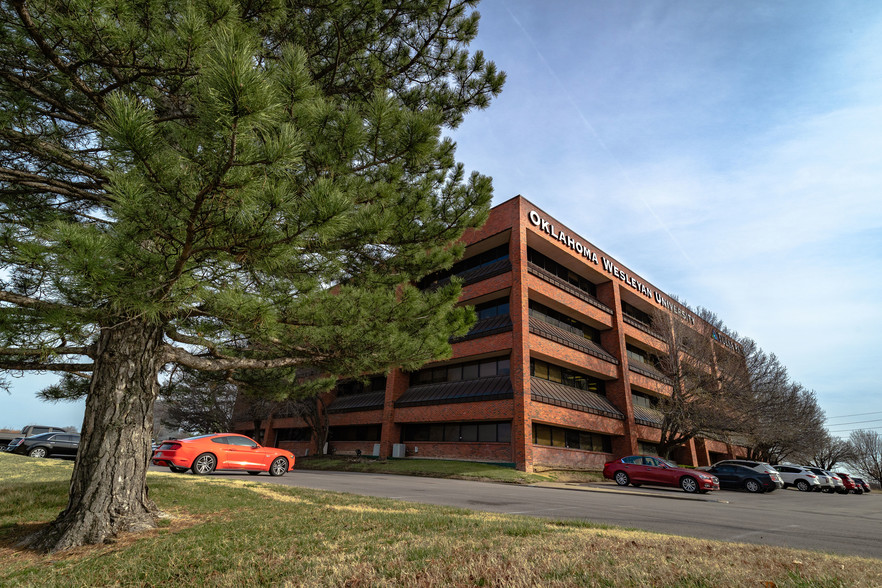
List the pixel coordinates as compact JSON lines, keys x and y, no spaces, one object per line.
{"x":522,"y":424}
{"x":701,"y":453}
{"x":397,"y":383}
{"x":619,"y":391}
{"x":687,"y":454}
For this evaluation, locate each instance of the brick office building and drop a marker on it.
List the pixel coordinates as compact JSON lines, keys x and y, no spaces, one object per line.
{"x":556,"y":372}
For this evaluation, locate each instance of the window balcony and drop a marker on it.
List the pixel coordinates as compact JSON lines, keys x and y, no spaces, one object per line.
{"x":547,"y":276}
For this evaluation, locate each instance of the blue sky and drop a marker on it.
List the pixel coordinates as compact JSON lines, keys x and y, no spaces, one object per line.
{"x":728,"y":152}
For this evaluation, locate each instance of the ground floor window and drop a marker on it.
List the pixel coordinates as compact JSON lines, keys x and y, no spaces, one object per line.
{"x":571,"y":438}
{"x":457,"y":432}
{"x":644,"y":448}
{"x":294,"y":434}
{"x":355,"y":433}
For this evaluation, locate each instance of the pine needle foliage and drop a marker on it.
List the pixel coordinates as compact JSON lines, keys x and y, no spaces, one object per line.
{"x":229,"y":185}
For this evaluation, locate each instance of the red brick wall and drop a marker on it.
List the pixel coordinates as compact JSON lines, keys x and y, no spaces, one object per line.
{"x":494,"y":410}
{"x":574,"y":419}
{"x":561,"y":457}
{"x":492,"y":452}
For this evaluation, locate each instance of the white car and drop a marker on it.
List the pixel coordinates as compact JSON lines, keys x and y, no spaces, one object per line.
{"x":828,"y":480}
{"x":798,"y":477}
{"x":758,"y":466}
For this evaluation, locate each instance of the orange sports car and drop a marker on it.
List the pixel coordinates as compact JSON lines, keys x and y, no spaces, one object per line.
{"x":222,"y":451}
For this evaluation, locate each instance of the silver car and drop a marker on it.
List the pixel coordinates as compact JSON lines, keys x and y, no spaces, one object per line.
{"x":798,"y":477}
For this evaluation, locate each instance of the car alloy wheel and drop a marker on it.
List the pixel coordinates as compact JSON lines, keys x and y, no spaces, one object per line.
{"x":621,"y":478}
{"x":802,"y":486}
{"x":689,"y":485}
{"x":279,"y":466}
{"x":37,"y":452}
{"x":752,"y":486}
{"x":204,"y":464}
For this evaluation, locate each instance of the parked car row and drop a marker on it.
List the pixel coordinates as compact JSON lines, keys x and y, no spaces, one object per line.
{"x":808,"y":478}
{"x":202,"y":454}
{"x":733,"y":474}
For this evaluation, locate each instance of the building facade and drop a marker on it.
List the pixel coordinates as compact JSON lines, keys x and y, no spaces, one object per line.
{"x":556,"y":372}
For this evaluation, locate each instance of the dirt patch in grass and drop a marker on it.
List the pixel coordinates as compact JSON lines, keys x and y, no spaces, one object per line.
{"x":9,"y":552}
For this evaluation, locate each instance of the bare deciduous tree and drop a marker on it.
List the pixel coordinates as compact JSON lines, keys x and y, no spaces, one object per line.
{"x":198,"y":401}
{"x":867,"y":458}
{"x":826,"y":451}
{"x":695,"y":405}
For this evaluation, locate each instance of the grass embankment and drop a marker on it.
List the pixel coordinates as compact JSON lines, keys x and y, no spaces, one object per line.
{"x":438,"y":468}
{"x":223,"y":532}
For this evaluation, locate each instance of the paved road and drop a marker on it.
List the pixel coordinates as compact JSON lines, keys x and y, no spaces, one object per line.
{"x":832,"y":523}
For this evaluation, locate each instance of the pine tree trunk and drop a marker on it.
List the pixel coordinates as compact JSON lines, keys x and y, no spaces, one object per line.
{"x":108,"y":489}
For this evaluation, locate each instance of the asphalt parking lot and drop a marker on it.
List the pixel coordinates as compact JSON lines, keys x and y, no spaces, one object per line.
{"x":834,"y":523}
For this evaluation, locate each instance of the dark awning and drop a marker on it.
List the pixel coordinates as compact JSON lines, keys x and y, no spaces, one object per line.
{"x":486,"y":327}
{"x":648,"y":416}
{"x":493,"y":388}
{"x":477,"y":274}
{"x":568,"y":397}
{"x":571,"y":340}
{"x":357,"y":402}
{"x":649,"y":371}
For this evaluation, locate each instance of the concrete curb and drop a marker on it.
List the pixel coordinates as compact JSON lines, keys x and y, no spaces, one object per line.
{"x":610,"y":489}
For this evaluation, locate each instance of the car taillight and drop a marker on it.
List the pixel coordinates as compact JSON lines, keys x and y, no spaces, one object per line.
{"x":810,"y":476}
{"x":167,"y":446}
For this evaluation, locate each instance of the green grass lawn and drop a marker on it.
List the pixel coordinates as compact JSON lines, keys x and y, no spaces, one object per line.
{"x":222,"y":532}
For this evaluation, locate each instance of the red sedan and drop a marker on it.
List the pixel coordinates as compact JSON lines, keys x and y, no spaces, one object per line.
{"x":654,"y":471}
{"x":222,"y":451}
{"x":850,"y":485}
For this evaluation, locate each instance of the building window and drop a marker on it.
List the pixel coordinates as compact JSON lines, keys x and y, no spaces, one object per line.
{"x":492,"y":308}
{"x":352,"y":387}
{"x":497,"y":366}
{"x":644,"y":400}
{"x":560,"y":320}
{"x":355,"y":433}
{"x":547,"y":371}
{"x":457,"y":433}
{"x":294,"y":434}
{"x":474,"y":262}
{"x":640,"y":356}
{"x":561,"y":271}
{"x":645,"y":448}
{"x":636,"y":314}
{"x":571,"y":438}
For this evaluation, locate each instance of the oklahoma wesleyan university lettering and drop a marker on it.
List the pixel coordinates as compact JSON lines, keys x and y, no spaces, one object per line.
{"x":608,"y":265}
{"x":580,"y":248}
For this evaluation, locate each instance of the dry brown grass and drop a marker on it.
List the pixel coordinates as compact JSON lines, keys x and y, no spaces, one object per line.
{"x":236,"y":533}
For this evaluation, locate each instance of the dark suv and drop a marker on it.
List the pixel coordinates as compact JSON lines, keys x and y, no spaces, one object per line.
{"x":48,"y":445}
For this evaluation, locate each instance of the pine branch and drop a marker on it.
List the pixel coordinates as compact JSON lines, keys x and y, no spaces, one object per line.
{"x":222,"y":363}
{"x":27,"y":366}
{"x":42,"y":305}
{"x":38,"y":39}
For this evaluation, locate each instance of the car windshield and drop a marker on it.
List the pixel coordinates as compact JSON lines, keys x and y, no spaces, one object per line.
{"x":665,"y":462}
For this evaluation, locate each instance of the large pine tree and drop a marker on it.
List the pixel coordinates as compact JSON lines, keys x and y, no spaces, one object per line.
{"x":224,"y":185}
